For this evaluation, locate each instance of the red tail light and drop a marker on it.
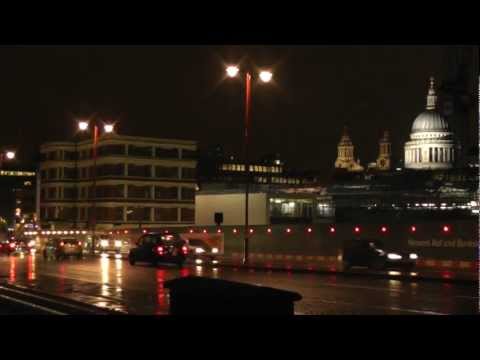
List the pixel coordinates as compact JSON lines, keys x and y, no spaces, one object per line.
{"x":160,"y":250}
{"x":12,"y":245}
{"x":184,"y":250}
{"x":79,"y":243}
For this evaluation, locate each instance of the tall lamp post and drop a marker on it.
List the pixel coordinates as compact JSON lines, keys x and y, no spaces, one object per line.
{"x":8,"y":155}
{"x":83,"y":125}
{"x":265,"y":76}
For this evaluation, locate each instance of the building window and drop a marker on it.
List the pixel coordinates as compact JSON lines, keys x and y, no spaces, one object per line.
{"x":67,"y":213}
{"x":166,"y":214}
{"x":188,"y":193}
{"x":83,"y":213}
{"x":109,"y":213}
{"x":111,"y":170}
{"x":111,"y":150}
{"x":52,"y":173}
{"x":43,"y":174}
{"x":69,"y":155}
{"x":69,"y":193}
{"x":83,"y":192}
{"x":69,"y":173}
{"x":109,"y":191}
{"x":53,"y":155}
{"x":166,"y":172}
{"x":436,"y":155}
{"x":188,"y":173}
{"x":83,"y":172}
{"x":52,"y":193}
{"x":164,"y":153}
{"x":166,"y":193}
{"x":420,"y":155}
{"x":189,"y":154}
{"x":139,"y":192}
{"x":139,"y":170}
{"x":140,"y":151}
{"x":138,"y":214}
{"x":188,"y":215}
{"x":430,"y":157}
{"x":441,"y":154}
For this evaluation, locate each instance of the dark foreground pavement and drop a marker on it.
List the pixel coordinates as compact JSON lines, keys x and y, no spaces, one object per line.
{"x":114,"y":284}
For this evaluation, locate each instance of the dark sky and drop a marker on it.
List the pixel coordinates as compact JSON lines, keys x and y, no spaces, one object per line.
{"x":179,"y":92}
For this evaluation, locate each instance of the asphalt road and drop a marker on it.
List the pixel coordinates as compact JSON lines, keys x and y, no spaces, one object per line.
{"x":113,"y":283}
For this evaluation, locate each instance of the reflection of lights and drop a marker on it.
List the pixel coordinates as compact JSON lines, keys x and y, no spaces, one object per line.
{"x":199,"y":270}
{"x":104,"y":255}
{"x":118,"y":256}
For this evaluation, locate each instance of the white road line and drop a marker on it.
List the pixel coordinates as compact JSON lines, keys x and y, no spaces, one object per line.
{"x":32,"y":305}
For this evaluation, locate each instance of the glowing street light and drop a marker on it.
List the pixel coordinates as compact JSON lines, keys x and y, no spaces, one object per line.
{"x":232,"y":71}
{"x":265,"y":76}
{"x":10,"y":155}
{"x":108,"y":128}
{"x":82,"y":125}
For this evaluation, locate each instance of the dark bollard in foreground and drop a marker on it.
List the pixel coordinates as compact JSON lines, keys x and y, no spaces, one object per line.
{"x":205,"y":296}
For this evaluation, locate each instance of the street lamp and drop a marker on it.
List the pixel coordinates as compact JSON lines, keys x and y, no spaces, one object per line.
{"x":108,"y":128}
{"x":264,"y":76}
{"x":6,"y":155}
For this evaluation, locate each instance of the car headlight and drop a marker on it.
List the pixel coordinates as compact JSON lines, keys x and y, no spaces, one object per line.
{"x":392,"y":256}
{"x":380,"y":252}
{"x":214,"y":250}
{"x":104,"y":243}
{"x":118,"y":243}
{"x":413,"y":256}
{"x":199,"y":250}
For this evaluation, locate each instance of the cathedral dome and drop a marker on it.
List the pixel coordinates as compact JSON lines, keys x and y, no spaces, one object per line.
{"x":429,"y":120}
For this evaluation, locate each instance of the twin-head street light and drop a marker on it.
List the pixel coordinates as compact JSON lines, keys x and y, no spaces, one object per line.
{"x":265,"y":76}
{"x":108,"y":128}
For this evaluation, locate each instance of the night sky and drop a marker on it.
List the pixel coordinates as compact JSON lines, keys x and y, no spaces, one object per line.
{"x":180,"y":92}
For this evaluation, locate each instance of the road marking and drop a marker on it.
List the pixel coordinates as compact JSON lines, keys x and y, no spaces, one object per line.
{"x":43,"y":308}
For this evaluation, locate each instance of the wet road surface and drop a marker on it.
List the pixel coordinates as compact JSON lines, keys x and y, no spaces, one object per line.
{"x":115,"y":284}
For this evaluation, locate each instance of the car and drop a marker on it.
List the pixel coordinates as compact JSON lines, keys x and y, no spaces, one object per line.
{"x":201,"y":252}
{"x":60,"y":248}
{"x":158,"y":248}
{"x":7,"y":247}
{"x":372,"y":254}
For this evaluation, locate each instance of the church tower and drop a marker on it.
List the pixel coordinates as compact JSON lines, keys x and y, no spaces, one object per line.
{"x":345,"y":159}
{"x":385,"y":153}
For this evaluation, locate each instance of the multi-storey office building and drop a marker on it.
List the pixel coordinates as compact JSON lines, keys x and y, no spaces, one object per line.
{"x":137,"y":182}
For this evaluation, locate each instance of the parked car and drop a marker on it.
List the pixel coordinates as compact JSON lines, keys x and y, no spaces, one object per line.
{"x":7,"y":247}
{"x":159,"y":248}
{"x":200,"y":251}
{"x":60,"y":248}
{"x":372,"y":254}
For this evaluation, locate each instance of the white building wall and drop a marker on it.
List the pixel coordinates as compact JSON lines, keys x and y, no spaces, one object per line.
{"x":233,"y":208}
